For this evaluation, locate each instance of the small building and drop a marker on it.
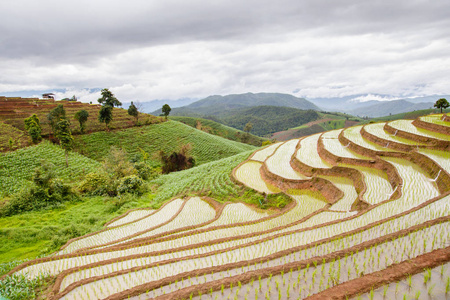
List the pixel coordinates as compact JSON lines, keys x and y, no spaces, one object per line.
{"x":48,"y":96}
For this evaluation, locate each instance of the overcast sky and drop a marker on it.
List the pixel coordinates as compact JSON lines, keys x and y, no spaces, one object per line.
{"x":171,"y":49}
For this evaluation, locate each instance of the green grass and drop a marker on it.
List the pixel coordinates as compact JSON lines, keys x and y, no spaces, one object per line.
{"x":330,"y":125}
{"x":32,"y":234}
{"x":219,"y":129}
{"x":18,"y":138}
{"x":167,"y":136}
{"x":17,"y":168}
{"x":211,"y":179}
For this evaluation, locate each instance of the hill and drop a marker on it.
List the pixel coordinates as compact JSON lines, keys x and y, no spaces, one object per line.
{"x":267,"y":119}
{"x":13,"y":111}
{"x":216,"y":105}
{"x":167,"y":136}
{"x":230,"y":133}
{"x":390,"y":107}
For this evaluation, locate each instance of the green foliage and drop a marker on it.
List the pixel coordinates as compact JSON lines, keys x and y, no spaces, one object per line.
{"x":105,"y":115}
{"x":17,"y":168}
{"x":210,"y":126}
{"x":154,"y":138}
{"x":20,"y":287}
{"x":64,"y":135}
{"x":144,"y":171}
{"x":56,"y":115}
{"x":210,"y":179}
{"x":108,"y":99}
{"x":130,"y":184}
{"x":32,"y":125}
{"x":45,"y":192}
{"x":166,"y":110}
{"x":82,"y":116}
{"x":95,"y":183}
{"x":132,"y":111}
{"x":441,"y":104}
{"x":265,"y":143}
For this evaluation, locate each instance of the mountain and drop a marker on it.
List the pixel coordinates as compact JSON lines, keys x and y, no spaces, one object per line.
{"x":353,"y":102}
{"x":216,"y":105}
{"x":385,"y":108}
{"x":267,"y":119}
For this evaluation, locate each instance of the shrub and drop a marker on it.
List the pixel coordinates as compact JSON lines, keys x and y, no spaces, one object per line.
{"x":95,"y":183}
{"x":143,"y":170}
{"x":131,"y":184}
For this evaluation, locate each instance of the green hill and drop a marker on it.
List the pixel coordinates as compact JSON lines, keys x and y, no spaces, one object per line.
{"x":217,"y":105}
{"x":17,"y":167}
{"x":167,"y":136}
{"x":219,"y":129}
{"x":268,"y":119}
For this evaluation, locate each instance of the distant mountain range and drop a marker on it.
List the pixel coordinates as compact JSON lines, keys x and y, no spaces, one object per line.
{"x":217,"y":105}
{"x":149,"y":107}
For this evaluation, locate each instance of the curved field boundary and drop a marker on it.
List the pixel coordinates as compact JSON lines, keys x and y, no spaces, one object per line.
{"x":248,"y":173}
{"x":327,"y":257}
{"x":261,"y":273}
{"x":431,"y":126}
{"x":326,"y":188}
{"x":149,"y":241}
{"x":392,"y":273}
{"x":126,"y":240}
{"x":107,"y":224}
{"x":387,"y":143}
{"x":434,"y":142}
{"x":445,"y":118}
{"x":106,"y":229}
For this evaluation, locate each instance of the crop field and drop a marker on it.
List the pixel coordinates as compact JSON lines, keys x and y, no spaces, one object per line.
{"x":361,"y":215}
{"x":16,"y":168}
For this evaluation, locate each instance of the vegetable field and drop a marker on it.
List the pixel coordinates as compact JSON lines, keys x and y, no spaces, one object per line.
{"x":369,"y":219}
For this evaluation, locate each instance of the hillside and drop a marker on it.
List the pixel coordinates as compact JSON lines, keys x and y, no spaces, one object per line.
{"x":167,"y":136}
{"x":390,"y":107}
{"x":216,"y":105}
{"x":368,"y":217}
{"x":230,"y":133}
{"x":13,"y":111}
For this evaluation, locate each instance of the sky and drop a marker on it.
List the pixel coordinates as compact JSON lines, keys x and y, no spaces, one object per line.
{"x":170,"y":49}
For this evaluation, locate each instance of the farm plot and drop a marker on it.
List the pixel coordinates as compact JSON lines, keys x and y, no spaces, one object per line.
{"x":442,"y":158}
{"x":406,"y":125}
{"x":353,"y":134}
{"x":332,"y":145}
{"x":377,"y":129}
{"x":263,"y":154}
{"x":279,"y":162}
{"x":435,"y":119}
{"x":307,"y":153}
{"x":131,"y":216}
{"x":249,"y":174}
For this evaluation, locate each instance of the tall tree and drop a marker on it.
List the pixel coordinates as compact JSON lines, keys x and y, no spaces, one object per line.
{"x":442,"y":104}
{"x":133,"y":111}
{"x":56,"y":115}
{"x":82,"y":116}
{"x":33,"y":126}
{"x":166,"y":110}
{"x":108,"y":102}
{"x":64,"y":135}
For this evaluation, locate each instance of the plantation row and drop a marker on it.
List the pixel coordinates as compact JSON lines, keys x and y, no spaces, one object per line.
{"x":364,"y":200}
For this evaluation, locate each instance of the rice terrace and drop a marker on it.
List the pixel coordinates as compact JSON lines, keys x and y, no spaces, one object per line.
{"x":361,"y":212}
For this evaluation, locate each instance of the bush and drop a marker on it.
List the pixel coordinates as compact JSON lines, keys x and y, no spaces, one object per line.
{"x":143,"y":170}
{"x":131,"y":184}
{"x":95,"y":183}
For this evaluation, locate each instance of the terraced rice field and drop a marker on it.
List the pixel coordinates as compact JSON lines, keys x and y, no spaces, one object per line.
{"x":355,"y":219}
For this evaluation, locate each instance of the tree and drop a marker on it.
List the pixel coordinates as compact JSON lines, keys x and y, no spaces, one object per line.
{"x":247,"y":128}
{"x":82,"y":117}
{"x":56,"y":115}
{"x":442,"y":104}
{"x":64,"y":135}
{"x":166,"y":110}
{"x":108,"y":102}
{"x":177,"y":161}
{"x":33,"y":126}
{"x":133,"y":111}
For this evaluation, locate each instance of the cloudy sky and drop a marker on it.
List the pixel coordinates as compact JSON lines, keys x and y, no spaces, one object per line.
{"x":171,"y":49}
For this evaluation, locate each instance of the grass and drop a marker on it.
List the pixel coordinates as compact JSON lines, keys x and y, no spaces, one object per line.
{"x":16,"y":168}
{"x":410,"y":115}
{"x":167,"y":136}
{"x":32,"y":234}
